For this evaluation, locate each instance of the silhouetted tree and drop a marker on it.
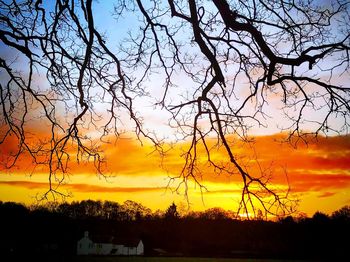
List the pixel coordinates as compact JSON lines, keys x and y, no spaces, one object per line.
{"x":110,"y":210}
{"x":342,"y":214}
{"x":82,"y":210}
{"x":171,"y":212}
{"x":223,"y":64}
{"x":12,"y":210}
{"x":287,"y":220}
{"x":133,"y":210}
{"x":320,"y":217}
{"x":215,"y":213}
{"x":65,"y":210}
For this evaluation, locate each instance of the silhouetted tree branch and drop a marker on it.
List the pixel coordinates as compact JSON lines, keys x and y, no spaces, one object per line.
{"x":223,"y":64}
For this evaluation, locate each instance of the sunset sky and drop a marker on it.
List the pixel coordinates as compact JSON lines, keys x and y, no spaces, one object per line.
{"x":316,"y":171}
{"x":318,"y":175}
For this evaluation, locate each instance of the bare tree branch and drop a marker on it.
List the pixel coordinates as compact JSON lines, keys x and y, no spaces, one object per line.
{"x":223,"y":63}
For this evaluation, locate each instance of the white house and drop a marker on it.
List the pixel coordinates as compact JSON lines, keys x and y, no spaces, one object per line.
{"x":85,"y":245}
{"x":109,"y":246}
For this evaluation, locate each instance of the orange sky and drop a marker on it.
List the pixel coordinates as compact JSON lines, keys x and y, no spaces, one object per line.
{"x":318,"y":175}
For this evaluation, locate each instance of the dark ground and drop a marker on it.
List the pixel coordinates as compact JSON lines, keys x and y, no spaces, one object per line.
{"x":52,"y":236}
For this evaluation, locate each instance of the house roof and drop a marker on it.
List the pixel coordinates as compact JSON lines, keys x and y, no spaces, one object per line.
{"x":101,"y":238}
{"x":126,"y":241}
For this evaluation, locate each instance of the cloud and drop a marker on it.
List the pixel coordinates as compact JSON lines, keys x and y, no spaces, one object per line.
{"x":101,"y":189}
{"x":326,"y":194}
{"x":319,"y":182}
{"x":83,"y":187}
{"x":320,"y":165}
{"x":224,"y":191}
{"x":25,"y":184}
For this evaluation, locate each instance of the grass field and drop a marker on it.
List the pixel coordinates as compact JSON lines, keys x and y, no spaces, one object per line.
{"x":169,"y":259}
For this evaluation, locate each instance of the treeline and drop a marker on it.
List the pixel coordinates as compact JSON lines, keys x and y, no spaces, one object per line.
{"x":109,"y":210}
{"x":55,"y":228}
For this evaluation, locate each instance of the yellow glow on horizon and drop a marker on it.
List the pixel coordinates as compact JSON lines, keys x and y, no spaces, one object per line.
{"x":321,"y":183}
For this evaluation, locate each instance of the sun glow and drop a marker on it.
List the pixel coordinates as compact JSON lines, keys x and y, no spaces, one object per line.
{"x":311,"y":173}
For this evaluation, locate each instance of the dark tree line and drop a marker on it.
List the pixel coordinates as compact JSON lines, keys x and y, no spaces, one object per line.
{"x":54,"y":231}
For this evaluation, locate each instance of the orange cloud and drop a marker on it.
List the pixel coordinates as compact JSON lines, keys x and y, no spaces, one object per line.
{"x":25,"y":184}
{"x":224,"y":191}
{"x":101,"y":189}
{"x":307,"y":183}
{"x":319,"y":165}
{"x":83,"y":187}
{"x":326,"y":194}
